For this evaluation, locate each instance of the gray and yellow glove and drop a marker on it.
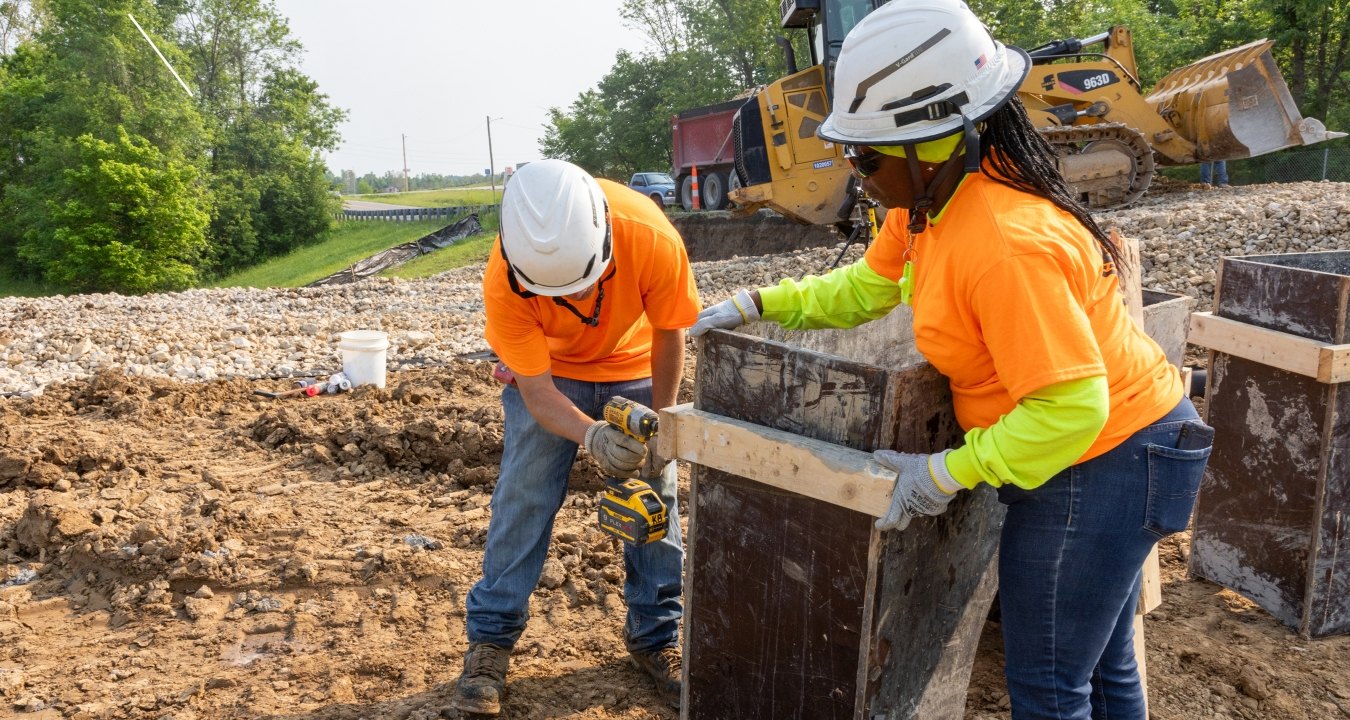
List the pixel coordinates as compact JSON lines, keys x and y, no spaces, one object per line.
{"x":727,"y":315}
{"x":922,"y":486}
{"x":653,"y":466}
{"x":617,"y":454}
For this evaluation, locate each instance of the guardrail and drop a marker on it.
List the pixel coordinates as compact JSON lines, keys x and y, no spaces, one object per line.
{"x":416,"y":214}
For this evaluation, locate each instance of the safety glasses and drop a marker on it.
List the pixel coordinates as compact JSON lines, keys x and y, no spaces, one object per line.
{"x":864,"y":160}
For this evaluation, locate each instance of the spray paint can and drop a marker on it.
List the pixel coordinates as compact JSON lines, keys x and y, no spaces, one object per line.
{"x":503,"y":374}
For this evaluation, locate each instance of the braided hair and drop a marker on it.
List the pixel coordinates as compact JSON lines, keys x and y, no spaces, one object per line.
{"x":1023,"y":160}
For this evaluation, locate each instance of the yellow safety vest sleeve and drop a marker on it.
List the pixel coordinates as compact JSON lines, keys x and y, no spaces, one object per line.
{"x":845,"y":297}
{"x":1048,"y":430}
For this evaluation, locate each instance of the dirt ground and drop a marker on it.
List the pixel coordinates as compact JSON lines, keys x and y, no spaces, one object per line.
{"x":196,"y":551}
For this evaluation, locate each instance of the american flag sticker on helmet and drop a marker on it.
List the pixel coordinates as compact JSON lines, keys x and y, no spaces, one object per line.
{"x":979,"y":61}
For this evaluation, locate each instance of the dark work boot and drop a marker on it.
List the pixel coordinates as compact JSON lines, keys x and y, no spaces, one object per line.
{"x":663,"y":667}
{"x":483,"y":683}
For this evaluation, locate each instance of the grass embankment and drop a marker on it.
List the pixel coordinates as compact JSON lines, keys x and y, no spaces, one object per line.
{"x":355,"y":240}
{"x":349,"y":242}
{"x":447,"y":197}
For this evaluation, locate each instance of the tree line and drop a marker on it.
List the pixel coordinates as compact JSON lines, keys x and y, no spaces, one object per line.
{"x":703,"y":52}
{"x":351,"y":183}
{"x":114,"y":178}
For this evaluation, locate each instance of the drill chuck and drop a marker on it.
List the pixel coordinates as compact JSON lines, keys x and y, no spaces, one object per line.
{"x":635,"y":420}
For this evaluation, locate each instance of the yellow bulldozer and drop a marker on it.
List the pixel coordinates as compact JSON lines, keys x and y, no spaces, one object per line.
{"x":1083,"y":94}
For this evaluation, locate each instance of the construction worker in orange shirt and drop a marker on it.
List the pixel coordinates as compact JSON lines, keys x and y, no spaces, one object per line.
{"x":588,"y":292}
{"x":1069,"y":408}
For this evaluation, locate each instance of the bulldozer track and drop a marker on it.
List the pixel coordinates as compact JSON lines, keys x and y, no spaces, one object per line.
{"x":1093,"y":138}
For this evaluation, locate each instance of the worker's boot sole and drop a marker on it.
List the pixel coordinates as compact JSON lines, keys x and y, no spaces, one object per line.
{"x":477,"y":708}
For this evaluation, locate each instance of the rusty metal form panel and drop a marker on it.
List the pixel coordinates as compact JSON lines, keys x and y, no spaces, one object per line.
{"x":1273,"y":518}
{"x":792,"y":607}
{"x":937,"y":578}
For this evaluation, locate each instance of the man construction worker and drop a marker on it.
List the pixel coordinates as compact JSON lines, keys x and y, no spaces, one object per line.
{"x":587,"y":294}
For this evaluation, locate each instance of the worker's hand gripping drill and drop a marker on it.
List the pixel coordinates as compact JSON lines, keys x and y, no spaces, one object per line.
{"x":922,"y":486}
{"x":727,"y":315}
{"x":617,"y":453}
{"x":630,"y":509}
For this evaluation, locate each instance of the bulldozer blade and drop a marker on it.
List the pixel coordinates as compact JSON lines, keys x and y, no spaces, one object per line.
{"x":1233,"y":105}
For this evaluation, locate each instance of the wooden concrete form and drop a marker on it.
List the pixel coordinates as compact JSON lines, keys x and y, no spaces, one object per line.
{"x":796,"y":606}
{"x":1271,"y":520}
{"x":781,"y":522}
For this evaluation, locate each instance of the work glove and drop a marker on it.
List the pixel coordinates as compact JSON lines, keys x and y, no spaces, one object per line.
{"x":727,"y":315}
{"x":917,"y":490}
{"x":617,"y":454}
{"x":653,"y":466}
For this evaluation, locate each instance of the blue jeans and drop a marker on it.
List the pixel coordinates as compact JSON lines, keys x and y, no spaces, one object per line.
{"x":1219,"y":172}
{"x":529,"y":492}
{"x":1069,"y":572}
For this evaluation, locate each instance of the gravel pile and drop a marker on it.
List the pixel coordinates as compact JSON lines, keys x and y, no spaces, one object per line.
{"x":233,"y":332}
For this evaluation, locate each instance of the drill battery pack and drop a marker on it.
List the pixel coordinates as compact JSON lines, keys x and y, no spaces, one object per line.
{"x":632,"y":511}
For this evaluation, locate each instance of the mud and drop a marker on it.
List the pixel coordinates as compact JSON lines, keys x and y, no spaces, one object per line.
{"x":196,"y":551}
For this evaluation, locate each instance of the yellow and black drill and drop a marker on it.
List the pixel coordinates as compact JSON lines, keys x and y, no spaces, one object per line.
{"x":631,"y":510}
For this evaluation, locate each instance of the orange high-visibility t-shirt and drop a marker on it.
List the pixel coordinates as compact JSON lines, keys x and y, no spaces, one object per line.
{"x":651,"y":285}
{"x":1012,"y":294}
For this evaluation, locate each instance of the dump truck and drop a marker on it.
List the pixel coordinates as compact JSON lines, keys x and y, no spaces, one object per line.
{"x":1084,"y":95}
{"x":701,"y":139}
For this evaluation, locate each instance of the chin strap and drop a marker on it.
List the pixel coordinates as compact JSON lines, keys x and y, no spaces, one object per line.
{"x":934,"y":196}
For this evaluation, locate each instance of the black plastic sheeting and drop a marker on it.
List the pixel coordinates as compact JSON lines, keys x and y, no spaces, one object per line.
{"x":399,"y":254}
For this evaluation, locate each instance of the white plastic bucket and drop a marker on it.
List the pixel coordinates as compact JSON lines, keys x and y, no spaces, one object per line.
{"x":363,"y":355}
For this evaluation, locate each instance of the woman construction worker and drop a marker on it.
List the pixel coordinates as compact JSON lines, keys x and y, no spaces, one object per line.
{"x":1069,"y":409}
{"x":587,"y":294}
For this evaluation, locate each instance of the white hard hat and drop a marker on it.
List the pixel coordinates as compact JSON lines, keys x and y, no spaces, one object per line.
{"x":555,"y":230}
{"x":917,"y":70}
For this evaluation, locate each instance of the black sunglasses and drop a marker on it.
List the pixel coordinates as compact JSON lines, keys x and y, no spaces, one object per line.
{"x":865,"y":161}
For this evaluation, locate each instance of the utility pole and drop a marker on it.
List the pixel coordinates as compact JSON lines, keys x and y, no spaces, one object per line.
{"x":492,"y":169}
{"x":405,"y":163}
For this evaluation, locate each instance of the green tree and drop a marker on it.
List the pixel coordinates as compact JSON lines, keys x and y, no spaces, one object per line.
{"x":738,"y":34}
{"x":581,"y":135}
{"x":1313,"y":44}
{"x":268,"y":124}
{"x":84,"y":102}
{"x":121,"y":217}
{"x":703,"y":52}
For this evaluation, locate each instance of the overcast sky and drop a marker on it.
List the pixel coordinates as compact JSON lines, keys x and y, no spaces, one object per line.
{"x":435,"y":70}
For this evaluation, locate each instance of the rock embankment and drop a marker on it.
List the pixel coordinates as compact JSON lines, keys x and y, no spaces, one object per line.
{"x":236,"y":332}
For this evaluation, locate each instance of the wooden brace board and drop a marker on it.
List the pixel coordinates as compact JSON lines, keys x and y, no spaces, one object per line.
{"x":1310,"y":358}
{"x":814,"y":468}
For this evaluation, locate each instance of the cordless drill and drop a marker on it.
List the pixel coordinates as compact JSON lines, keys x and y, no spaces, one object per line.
{"x":631,"y":510}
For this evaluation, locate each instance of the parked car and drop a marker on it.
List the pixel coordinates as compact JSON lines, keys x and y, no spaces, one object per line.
{"x":658,"y":186}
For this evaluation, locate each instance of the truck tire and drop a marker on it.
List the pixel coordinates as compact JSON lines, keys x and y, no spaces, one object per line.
{"x":713,"y":187}
{"x":656,"y":198}
{"x":686,"y":192}
{"x":733,"y":184}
